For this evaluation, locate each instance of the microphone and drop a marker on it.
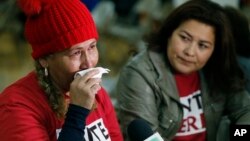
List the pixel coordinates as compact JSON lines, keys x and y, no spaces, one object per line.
{"x":139,"y":130}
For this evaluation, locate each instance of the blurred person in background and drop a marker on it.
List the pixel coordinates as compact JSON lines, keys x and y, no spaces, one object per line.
{"x":91,"y":4}
{"x":241,"y":34}
{"x":187,"y":79}
{"x":49,"y":104}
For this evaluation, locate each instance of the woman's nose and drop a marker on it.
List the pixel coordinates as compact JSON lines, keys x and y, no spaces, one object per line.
{"x":86,"y":62}
{"x":190,"y":50}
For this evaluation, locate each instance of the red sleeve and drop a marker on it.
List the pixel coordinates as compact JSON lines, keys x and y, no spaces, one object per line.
{"x":18,"y":122}
{"x":24,"y":115}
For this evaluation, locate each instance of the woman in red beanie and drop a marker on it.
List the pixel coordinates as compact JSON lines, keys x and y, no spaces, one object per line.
{"x":48,"y":104}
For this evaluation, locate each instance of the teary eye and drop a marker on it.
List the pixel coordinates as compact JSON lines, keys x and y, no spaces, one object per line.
{"x":92,"y":46}
{"x":75,"y":52}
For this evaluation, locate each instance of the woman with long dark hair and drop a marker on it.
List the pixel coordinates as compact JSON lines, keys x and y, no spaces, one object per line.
{"x":188,"y":78}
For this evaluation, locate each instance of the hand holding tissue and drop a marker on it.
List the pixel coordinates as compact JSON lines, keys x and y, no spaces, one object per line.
{"x":99,"y":75}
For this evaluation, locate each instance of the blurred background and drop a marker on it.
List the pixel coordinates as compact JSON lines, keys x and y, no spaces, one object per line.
{"x":121,"y":25}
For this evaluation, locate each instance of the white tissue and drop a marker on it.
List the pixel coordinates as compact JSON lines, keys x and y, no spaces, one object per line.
{"x":99,"y":75}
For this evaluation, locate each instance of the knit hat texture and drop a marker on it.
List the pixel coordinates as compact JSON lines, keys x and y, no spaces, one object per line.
{"x":56,"y":25}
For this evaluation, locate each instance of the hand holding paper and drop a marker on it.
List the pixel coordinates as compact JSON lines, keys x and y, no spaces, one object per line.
{"x":99,"y":75}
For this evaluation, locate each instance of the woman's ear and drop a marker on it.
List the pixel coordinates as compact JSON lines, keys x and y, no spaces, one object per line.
{"x":43,"y":62}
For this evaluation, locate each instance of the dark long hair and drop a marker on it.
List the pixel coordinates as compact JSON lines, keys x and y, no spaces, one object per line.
{"x":222,"y":71}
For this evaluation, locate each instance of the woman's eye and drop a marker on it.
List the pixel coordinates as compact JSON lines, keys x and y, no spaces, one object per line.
{"x":184,"y":38}
{"x":92,"y":46}
{"x":76,"y":53}
{"x":203,"y":46}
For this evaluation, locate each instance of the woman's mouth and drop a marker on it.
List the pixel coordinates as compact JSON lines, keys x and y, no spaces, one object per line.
{"x":185,"y":61}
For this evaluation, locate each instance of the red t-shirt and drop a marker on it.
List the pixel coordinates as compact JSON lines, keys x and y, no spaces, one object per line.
{"x":26,"y":115}
{"x":193,"y":123}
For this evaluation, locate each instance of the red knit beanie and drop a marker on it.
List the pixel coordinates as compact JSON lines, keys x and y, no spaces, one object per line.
{"x":55,"y":25}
